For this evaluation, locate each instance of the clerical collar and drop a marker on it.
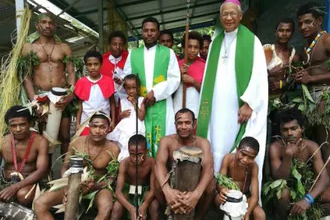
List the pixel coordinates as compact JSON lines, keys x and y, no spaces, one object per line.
{"x":94,"y":81}
{"x":151,"y":48}
{"x":232,"y":33}
{"x":114,"y":60}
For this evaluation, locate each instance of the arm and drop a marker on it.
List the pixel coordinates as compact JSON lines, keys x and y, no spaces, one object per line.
{"x":253,"y":201}
{"x":280,"y":169}
{"x":28,"y":82}
{"x":113,"y":111}
{"x":78,"y":115}
{"x":69,"y":66}
{"x":119,"y":188}
{"x":150,"y":196}
{"x":142,"y":110}
{"x":41,"y":165}
{"x":166,"y":88}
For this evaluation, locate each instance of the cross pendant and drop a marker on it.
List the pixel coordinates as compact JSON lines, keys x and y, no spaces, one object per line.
{"x":224,"y":58}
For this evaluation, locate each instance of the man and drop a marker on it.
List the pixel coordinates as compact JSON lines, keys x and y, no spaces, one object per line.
{"x":25,"y":153}
{"x":316,"y":74}
{"x":51,"y":72}
{"x":158,"y":70}
{"x":206,"y":44}
{"x":100,"y":152}
{"x":191,"y":74}
{"x":279,"y":57}
{"x":232,"y":105}
{"x":294,"y":152}
{"x":166,"y":38}
{"x":203,"y":195}
{"x":128,"y":179}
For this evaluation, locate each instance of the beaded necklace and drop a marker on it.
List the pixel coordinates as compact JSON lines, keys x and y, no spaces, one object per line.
{"x":312,"y":45}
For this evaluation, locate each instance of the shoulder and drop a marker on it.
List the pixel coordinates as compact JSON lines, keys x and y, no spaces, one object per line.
{"x":124,"y":54}
{"x":5,"y":142}
{"x":311,"y":145}
{"x":112,"y":146}
{"x":203,"y":141}
{"x":326,"y":40}
{"x":78,"y":143}
{"x":165,"y":141}
{"x":275,"y":147}
{"x":66,"y":48}
{"x":27,"y":47}
{"x":39,"y":139}
{"x":106,"y":55}
{"x":228,"y":157}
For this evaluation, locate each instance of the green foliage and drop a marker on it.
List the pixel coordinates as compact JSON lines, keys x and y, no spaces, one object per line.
{"x":227,"y":182}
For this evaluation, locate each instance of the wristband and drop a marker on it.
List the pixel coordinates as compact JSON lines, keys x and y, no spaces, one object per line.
{"x":281,"y":84}
{"x":310,"y":198}
{"x":308,"y":201}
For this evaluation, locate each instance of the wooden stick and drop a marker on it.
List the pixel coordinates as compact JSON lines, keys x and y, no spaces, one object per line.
{"x":318,"y":176}
{"x":184,"y":86}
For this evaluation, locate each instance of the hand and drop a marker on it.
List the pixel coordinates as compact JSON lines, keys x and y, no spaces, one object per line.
{"x":246,"y":216}
{"x":149,"y":100}
{"x":277,"y":70}
{"x":65,"y":101}
{"x":184,"y":69}
{"x":112,"y":125}
{"x":189,"y":200}
{"x":87,"y":186}
{"x":8,"y":193}
{"x":187,"y":79}
{"x":132,"y":100}
{"x":125,"y":114}
{"x":117,"y":80}
{"x":274,"y":86}
{"x":65,"y":197}
{"x":294,"y":148}
{"x":244,"y":113}
{"x":223,"y":194}
{"x":299,"y":208}
{"x":142,"y":212}
{"x":171,"y":197}
{"x":77,"y":127}
{"x":302,"y":77}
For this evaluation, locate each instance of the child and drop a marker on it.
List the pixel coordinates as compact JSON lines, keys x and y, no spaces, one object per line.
{"x":95,"y":92}
{"x":243,"y":170}
{"x":126,"y":183}
{"x":127,"y":125}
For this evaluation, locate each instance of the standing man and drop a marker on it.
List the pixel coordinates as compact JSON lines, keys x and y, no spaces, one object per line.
{"x":191,"y":74}
{"x":205,"y":48}
{"x":158,"y":70}
{"x":52,"y":71}
{"x":317,"y":54}
{"x":166,"y":38}
{"x":232,"y":105}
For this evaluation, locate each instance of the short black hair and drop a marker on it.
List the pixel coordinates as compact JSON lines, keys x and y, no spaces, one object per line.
{"x":116,"y":34}
{"x":93,"y":53}
{"x":133,"y":77}
{"x":168,"y":32}
{"x":18,"y":111}
{"x":249,"y":142}
{"x":207,"y":37}
{"x":137,"y":139}
{"x":101,"y":115}
{"x":290,"y":115}
{"x":286,"y":21}
{"x":195,"y":36}
{"x":311,"y":7}
{"x":152,"y":20}
{"x":185,"y":110}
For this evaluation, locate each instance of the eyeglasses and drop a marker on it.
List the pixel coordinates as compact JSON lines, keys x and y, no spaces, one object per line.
{"x":231,"y":14}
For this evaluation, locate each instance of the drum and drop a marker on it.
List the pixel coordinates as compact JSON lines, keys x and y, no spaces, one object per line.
{"x":54,"y":118}
{"x":187,"y":163}
{"x":15,"y":211}
{"x":236,"y":205}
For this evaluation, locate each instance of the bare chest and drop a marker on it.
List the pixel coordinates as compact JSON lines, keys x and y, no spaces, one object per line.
{"x":143,"y":175}
{"x":49,"y":52}
{"x":21,"y":152}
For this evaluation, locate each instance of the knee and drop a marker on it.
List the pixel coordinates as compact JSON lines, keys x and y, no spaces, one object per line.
{"x":285,"y":195}
{"x":117,"y":211}
{"x":259,"y":214}
{"x":154,"y":206}
{"x":22,"y":197}
{"x":211,"y":188}
{"x":40,"y":205}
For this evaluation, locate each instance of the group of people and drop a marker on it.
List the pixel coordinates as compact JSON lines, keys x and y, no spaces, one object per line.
{"x":130,"y":109}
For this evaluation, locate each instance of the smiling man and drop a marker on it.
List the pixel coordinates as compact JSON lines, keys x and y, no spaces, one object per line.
{"x":203,"y":195}
{"x":159,"y":73}
{"x":234,"y":97}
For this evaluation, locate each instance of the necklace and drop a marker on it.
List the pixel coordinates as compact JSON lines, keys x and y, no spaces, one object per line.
{"x":225,"y":56}
{"x":311,"y":46}
{"x":49,"y":55}
{"x":90,"y":156}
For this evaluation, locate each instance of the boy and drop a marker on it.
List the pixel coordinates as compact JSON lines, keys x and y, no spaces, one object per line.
{"x":191,"y":74}
{"x":95,"y":92}
{"x":242,"y":168}
{"x":126,"y":182}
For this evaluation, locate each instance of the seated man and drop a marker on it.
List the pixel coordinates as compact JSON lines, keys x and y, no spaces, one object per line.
{"x":243,"y":170}
{"x":184,"y":202}
{"x":126,"y":182}
{"x":295,"y":164}
{"x":99,"y":152}
{"x":25,"y":153}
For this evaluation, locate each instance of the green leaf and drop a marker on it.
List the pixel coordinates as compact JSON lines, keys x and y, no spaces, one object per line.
{"x":276,"y":183}
{"x":293,"y":194}
{"x":306,"y":93}
{"x":279,"y":194}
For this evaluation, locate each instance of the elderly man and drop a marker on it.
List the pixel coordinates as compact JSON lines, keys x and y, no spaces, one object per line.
{"x":232,"y":105}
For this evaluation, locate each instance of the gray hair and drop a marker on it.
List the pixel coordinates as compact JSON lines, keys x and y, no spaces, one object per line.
{"x":238,"y":7}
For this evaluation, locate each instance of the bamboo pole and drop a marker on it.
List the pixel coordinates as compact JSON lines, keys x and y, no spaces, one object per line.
{"x":184,"y":86}
{"x":71,"y":209}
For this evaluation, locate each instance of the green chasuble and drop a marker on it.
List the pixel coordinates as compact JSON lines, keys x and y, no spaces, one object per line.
{"x":155,"y":118}
{"x":243,"y":67}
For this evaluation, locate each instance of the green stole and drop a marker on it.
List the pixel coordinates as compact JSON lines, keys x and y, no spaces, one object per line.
{"x":155,"y":118}
{"x":243,"y":68}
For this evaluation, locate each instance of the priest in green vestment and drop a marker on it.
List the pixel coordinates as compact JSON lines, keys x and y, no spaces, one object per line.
{"x":234,"y":94}
{"x":159,"y":73}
